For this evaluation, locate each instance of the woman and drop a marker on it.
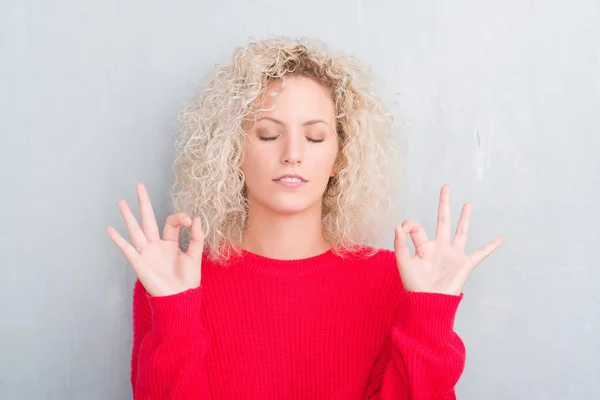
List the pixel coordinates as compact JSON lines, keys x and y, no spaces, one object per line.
{"x":278,"y":296}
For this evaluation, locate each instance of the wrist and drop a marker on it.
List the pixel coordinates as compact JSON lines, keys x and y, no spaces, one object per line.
{"x":429,"y":313}
{"x":177,"y":314}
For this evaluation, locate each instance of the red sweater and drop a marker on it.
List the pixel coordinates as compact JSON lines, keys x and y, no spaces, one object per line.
{"x":324,"y":327}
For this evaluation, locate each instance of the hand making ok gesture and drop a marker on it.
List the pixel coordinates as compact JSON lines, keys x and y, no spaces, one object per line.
{"x":439,"y":265}
{"x":158,"y":262}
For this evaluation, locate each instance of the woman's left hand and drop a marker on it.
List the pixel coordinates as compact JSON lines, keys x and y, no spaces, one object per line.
{"x":439,"y":265}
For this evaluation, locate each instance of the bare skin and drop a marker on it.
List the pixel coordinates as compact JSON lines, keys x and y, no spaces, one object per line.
{"x":439,"y":265}
{"x":158,"y":262}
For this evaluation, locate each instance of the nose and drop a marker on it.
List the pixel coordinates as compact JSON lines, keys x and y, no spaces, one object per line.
{"x":292,"y":160}
{"x":292,"y":153}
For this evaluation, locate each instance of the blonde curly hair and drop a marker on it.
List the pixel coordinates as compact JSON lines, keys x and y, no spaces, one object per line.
{"x":210,"y":144}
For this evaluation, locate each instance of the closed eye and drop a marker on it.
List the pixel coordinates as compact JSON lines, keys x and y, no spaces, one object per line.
{"x":268,"y":138}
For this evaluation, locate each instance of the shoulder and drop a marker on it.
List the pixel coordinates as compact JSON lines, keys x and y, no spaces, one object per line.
{"x":379,"y":264}
{"x":373,"y":257}
{"x":378,"y":277}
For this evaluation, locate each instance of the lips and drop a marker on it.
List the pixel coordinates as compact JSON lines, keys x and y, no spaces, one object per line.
{"x":290,"y":176}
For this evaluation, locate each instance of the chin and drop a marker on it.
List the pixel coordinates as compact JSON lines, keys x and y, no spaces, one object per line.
{"x":290,"y":205}
{"x":288,"y":208}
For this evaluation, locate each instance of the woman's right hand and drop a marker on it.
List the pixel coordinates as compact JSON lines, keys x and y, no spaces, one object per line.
{"x":160,"y":265}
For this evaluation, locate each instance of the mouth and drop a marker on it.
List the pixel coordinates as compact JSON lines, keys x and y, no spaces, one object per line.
{"x":290,"y":178}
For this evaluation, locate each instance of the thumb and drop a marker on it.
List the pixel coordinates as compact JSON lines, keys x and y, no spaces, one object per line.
{"x":196,"y":246}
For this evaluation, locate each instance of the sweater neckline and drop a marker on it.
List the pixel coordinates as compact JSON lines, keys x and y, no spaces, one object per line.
{"x":264,"y":265}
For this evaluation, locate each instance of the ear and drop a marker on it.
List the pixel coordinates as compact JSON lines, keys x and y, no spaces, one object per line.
{"x":334,"y":170}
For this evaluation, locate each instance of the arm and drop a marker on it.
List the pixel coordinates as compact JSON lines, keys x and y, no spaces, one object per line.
{"x":422,"y":358}
{"x":170,"y":344}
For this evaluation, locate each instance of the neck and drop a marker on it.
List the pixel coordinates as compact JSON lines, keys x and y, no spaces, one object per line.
{"x":284,"y":236}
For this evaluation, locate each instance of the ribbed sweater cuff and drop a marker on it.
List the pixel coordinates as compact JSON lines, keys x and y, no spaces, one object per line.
{"x":178,"y":314}
{"x":430,"y":314}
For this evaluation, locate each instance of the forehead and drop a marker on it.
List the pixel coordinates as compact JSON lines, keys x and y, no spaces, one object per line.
{"x":296,"y":98}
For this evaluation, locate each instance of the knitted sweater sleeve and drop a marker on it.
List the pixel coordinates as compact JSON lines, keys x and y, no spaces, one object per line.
{"x":170,"y":344}
{"x":422,"y":358}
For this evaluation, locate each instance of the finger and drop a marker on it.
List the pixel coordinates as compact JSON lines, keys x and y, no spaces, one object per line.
{"x":401,"y":247}
{"x":481,"y":254}
{"x":173,"y":225}
{"x":128,"y":250}
{"x":149,"y":225}
{"x":443,"y":222}
{"x":462,"y":229}
{"x":138,"y":238}
{"x":416,"y":232}
{"x":196,"y":246}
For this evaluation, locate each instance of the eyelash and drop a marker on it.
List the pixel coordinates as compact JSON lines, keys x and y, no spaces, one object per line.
{"x":267,"y":138}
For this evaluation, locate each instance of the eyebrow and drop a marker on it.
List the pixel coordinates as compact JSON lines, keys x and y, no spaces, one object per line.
{"x":307,"y":123}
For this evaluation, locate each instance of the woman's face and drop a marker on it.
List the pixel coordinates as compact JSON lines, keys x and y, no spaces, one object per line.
{"x":298,"y":137}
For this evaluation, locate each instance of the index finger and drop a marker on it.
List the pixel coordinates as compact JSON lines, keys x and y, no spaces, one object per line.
{"x":149,"y":225}
{"x":173,"y":225}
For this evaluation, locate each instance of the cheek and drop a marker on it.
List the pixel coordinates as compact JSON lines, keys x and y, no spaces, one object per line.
{"x":328,"y":159}
{"x":256,"y":164}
